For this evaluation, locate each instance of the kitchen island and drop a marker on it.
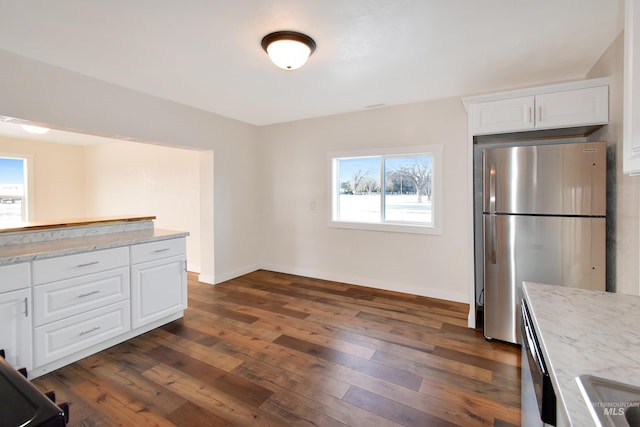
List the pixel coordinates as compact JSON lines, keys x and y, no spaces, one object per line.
{"x":584,"y":332}
{"x":38,"y":240}
{"x":69,"y":289}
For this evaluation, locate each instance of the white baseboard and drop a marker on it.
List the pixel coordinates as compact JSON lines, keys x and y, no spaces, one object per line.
{"x":462,"y":297}
{"x":352,"y":280}
{"x":237,"y":273}
{"x":209,"y":280}
{"x":193,"y":268}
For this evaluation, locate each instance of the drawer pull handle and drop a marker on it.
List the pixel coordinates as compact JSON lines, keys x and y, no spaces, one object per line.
{"x":88,"y":294}
{"x":95,"y":328}
{"x":88,"y":264}
{"x":26,"y":307}
{"x":161,"y":250}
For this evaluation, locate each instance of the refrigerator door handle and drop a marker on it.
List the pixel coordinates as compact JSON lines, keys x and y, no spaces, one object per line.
{"x":492,"y":238}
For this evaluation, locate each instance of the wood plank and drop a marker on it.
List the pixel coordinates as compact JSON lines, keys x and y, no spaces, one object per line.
{"x":393,"y":410}
{"x":323,"y":394}
{"x":233,"y":385}
{"x":208,"y":397}
{"x":431,"y":365}
{"x":387,"y":373}
{"x":190,"y":415}
{"x":275,"y":349}
{"x":122,"y":408}
{"x":200,"y":352}
{"x":106,"y":369}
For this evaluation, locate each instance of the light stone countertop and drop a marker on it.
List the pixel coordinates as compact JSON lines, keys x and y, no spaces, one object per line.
{"x":75,"y":222}
{"x":23,"y":252}
{"x":585,"y":332}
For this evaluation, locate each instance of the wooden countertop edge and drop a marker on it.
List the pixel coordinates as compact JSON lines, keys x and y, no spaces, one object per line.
{"x":46,"y":225}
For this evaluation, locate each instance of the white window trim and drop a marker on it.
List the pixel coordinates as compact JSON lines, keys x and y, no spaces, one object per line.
{"x":30,"y":205}
{"x":434,"y":150}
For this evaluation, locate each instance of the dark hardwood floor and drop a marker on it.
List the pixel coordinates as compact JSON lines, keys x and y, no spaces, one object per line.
{"x":271,"y":349}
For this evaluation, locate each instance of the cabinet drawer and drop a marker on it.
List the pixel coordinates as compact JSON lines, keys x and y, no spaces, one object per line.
{"x":73,"y":334}
{"x":57,"y":300}
{"x":66,"y":267}
{"x":156,"y":250}
{"x":14,"y":277}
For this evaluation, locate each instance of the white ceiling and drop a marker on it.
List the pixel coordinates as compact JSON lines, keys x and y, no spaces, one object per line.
{"x":207,"y":54}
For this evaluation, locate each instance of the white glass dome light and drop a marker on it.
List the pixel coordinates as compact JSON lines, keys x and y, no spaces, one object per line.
{"x":288,"y":50}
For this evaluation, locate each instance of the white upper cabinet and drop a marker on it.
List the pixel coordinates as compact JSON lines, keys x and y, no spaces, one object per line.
{"x":631,"y":120}
{"x":504,"y":115}
{"x":566,"y":105}
{"x":568,"y":108}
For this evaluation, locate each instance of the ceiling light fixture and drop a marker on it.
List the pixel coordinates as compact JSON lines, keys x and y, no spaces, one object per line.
{"x":34,"y":129}
{"x":289,"y":50}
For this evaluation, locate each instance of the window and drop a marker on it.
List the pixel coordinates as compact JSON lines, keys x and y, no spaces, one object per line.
{"x":13,"y":189}
{"x":387,"y":190}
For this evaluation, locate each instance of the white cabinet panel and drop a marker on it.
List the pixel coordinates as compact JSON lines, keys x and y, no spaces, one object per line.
{"x":14,"y":277}
{"x":547,"y":110}
{"x":64,"y":337}
{"x":158,"y":289}
{"x":15,"y":327}
{"x":505,"y":115}
{"x":66,"y":267}
{"x":57,"y":300}
{"x":579,"y":107}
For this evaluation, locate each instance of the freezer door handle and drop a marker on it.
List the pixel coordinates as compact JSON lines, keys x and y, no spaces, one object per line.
{"x":492,"y":189}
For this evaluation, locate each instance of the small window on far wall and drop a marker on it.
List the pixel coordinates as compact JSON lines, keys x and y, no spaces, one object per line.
{"x":388,"y":189}
{"x":13,"y":190}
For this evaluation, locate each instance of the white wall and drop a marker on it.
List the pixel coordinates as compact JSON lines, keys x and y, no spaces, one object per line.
{"x":58,"y":171}
{"x":296,"y":239}
{"x":265,"y":179}
{"x":624,"y":203}
{"x":142,"y":179}
{"x":65,"y":100}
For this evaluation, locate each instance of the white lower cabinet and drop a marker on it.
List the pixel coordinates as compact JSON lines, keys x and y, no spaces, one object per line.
{"x":15,"y":314}
{"x":65,"y":337}
{"x":87,"y":301}
{"x":15,"y":327}
{"x":158,"y":289}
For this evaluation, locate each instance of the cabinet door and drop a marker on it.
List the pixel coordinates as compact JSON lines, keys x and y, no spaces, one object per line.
{"x":505,"y":115}
{"x":579,"y":107}
{"x":158,"y":289}
{"x":15,"y":332}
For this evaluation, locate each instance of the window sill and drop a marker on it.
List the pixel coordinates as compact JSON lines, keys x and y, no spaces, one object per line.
{"x":388,"y":227}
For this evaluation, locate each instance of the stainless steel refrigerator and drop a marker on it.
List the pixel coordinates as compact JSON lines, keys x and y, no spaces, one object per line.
{"x":544,"y":221}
